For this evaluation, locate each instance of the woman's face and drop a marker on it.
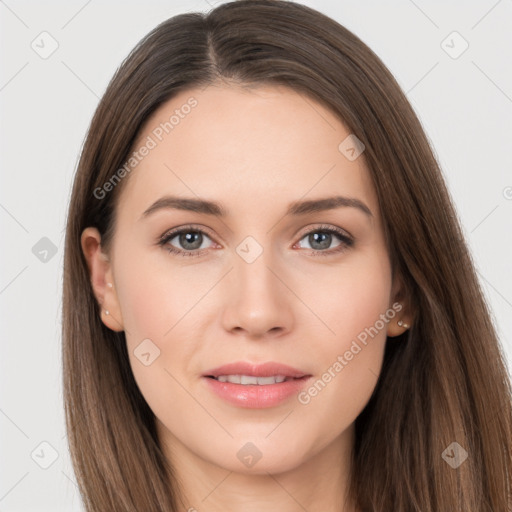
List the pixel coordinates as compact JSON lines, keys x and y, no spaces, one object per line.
{"x":268,"y":281}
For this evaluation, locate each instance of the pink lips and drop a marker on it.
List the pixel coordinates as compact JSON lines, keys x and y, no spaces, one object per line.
{"x":254,"y":395}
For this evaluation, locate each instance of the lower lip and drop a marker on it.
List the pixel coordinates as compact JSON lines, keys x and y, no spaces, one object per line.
{"x":254,"y":396}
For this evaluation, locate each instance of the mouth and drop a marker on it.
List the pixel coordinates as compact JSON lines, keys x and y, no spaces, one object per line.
{"x":255,"y":386}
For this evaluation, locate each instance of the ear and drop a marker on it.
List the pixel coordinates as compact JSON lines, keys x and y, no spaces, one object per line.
{"x":400,"y":303}
{"x":102,"y":280}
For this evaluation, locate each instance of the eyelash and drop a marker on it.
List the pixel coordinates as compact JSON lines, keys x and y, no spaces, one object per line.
{"x":346,"y":241}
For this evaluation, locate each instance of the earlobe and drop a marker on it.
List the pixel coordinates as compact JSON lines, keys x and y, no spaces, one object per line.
{"x":100,"y":272}
{"x":398,"y":325}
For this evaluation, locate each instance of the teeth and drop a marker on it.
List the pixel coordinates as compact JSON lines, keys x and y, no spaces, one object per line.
{"x":249,"y":379}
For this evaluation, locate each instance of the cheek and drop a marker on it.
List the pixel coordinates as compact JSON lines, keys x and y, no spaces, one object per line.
{"x":154,"y":295}
{"x":356,"y":307}
{"x":160,"y":304}
{"x":353,"y":297}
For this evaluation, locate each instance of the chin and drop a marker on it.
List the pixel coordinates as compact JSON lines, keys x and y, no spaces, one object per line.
{"x":257,"y":458}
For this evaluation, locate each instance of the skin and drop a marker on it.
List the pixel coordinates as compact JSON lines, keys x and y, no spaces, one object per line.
{"x":254,"y":151}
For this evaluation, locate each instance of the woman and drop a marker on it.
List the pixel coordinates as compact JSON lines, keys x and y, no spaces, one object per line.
{"x":328,"y":346}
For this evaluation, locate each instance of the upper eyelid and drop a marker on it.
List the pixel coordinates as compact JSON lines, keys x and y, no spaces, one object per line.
{"x":171,"y":233}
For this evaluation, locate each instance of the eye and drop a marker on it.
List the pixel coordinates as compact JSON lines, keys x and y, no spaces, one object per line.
{"x":190,"y":241}
{"x":321,"y":238}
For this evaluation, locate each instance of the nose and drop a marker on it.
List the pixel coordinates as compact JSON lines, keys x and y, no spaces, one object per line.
{"x":259,"y":304}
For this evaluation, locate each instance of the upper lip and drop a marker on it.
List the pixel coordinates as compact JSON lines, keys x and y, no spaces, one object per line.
{"x":256,"y":370}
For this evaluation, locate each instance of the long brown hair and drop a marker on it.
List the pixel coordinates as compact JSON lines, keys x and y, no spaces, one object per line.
{"x":443,"y":382}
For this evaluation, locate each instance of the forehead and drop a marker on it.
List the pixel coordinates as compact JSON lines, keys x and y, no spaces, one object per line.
{"x":237,"y":144}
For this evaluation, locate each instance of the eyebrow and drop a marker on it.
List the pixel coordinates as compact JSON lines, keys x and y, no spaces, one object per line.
{"x":296,"y":208}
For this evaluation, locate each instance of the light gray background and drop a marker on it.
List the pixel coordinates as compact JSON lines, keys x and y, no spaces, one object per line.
{"x":464,"y":103}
